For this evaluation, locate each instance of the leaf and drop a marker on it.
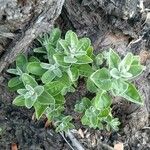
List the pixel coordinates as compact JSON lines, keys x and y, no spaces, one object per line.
{"x":29,"y":102}
{"x":91,"y":86}
{"x":54,"y":87}
{"x":73,"y":73}
{"x":28,"y":80}
{"x":55,"y":35}
{"x":119,"y":87}
{"x":136,"y":60}
{"x":48,"y":76}
{"x":64,"y":126}
{"x":40,"y":50}
{"x":126,"y":62}
{"x":35,"y":68}
{"x":91,"y":118}
{"x":22,"y":91}
{"x":82,"y":105}
{"x":84,"y":60}
{"x":33,"y":59}
{"x":21,"y":62}
{"x":57,"y":72}
{"x":85,"y":70}
{"x":101,"y":78}
{"x":115,"y":73}
{"x":64,"y":44}
{"x":89,"y":51}
{"x":59,"y":99}
{"x":39,"y":90}
{"x":13,"y":71}
{"x":59,"y":59}
{"x":46,"y":99}
{"x":99,"y":59}
{"x":84,"y":44}
{"x":113,"y":59}
{"x":70,"y":60}
{"x":39,"y":110}
{"x":132,"y":94}
{"x":46,"y":65}
{"x":105,"y":112}
{"x":19,"y":101}
{"x":102,"y":100}
{"x":15,"y":83}
{"x":71,"y":38}
{"x":136,"y":70}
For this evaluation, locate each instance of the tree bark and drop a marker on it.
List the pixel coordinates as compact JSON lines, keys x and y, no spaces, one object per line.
{"x":31,"y":18}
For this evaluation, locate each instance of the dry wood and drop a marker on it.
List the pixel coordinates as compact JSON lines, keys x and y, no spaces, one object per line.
{"x":42,"y":23}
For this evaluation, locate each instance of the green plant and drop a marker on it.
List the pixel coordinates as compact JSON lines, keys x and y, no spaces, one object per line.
{"x":43,"y":82}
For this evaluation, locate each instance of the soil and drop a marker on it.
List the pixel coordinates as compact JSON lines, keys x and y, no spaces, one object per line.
{"x":105,"y":30}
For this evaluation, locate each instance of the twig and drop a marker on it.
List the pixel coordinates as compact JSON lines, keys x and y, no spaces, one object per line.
{"x":66,"y":141}
{"x":74,"y":141}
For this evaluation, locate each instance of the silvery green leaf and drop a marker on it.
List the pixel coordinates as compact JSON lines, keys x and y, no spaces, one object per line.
{"x":84,"y":59}
{"x":19,"y":101}
{"x":55,"y":35}
{"x":119,"y":87}
{"x":82,"y":105}
{"x":59,"y":59}
{"x":39,"y":110}
{"x":46,"y":99}
{"x":101,"y":78}
{"x":13,"y":71}
{"x":90,"y":52}
{"x":57,"y":72}
{"x":126,"y":75}
{"x":21,"y":62}
{"x":132,"y":94}
{"x":113,"y":59}
{"x":21,"y":91}
{"x":91,"y":86}
{"x":85,"y":70}
{"x":84,"y":44}
{"x":48,"y":76}
{"x":136,"y":60}
{"x":28,"y":80}
{"x":64,"y":44}
{"x":126,"y":62}
{"x":54,"y":87}
{"x":15,"y":83}
{"x":45,"y":65}
{"x":112,"y":123}
{"x":29,"y":102}
{"x":69,"y":59}
{"x":34,"y":97}
{"x":39,"y":90}
{"x":19,"y":71}
{"x":29,"y":88}
{"x":80,"y":53}
{"x":99,"y":59}
{"x":136,"y":70}
{"x":33,"y":59}
{"x":35,"y":68}
{"x":102,"y":100}
{"x":71,"y":38}
{"x":41,"y":50}
{"x":115,"y":73}
{"x":73,"y":73}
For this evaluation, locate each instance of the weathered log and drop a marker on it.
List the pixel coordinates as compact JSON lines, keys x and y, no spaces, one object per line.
{"x":38,"y":21}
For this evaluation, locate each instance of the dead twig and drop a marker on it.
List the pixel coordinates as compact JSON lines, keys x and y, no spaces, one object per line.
{"x":74,"y":141}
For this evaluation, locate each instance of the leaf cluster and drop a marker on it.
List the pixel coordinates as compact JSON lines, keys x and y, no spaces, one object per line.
{"x":43,"y":81}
